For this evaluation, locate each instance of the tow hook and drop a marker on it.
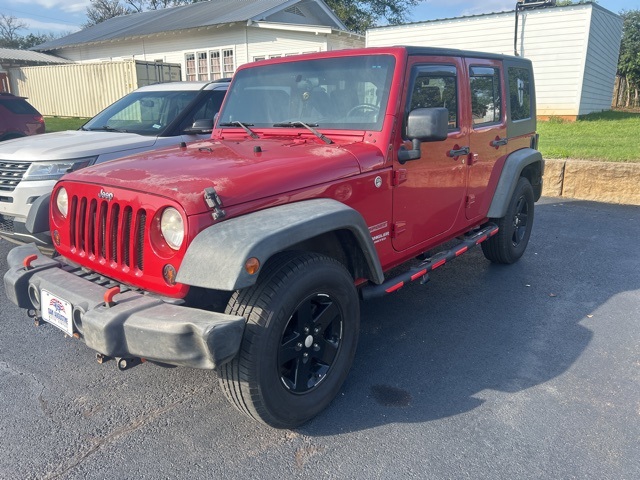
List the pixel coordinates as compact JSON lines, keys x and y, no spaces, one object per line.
{"x":123,"y":363}
{"x":127,"y":363}
{"x":37,"y":321}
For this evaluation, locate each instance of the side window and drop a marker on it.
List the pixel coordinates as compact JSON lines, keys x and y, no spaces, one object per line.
{"x":436,"y":86}
{"x":145,"y":110}
{"x":486,"y":104}
{"x":206,"y":109}
{"x":519,"y":93}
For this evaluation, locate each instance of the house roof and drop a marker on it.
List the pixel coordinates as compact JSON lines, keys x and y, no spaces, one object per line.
{"x":196,"y":15}
{"x":14,"y":56}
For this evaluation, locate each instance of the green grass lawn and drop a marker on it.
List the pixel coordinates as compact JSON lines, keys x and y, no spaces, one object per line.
{"x":608,"y":136}
{"x":57,"y":124}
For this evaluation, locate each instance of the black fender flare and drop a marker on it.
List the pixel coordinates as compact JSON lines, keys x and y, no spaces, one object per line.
{"x":511,"y":172}
{"x":38,"y":216}
{"x":216,"y":257}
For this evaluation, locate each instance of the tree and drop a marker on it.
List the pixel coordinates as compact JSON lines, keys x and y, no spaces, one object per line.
{"x":629,"y":59}
{"x":31,"y":40}
{"x":9,"y":26}
{"x":358,"y":15}
{"x":9,"y":37}
{"x":142,"y":5}
{"x":101,"y":10}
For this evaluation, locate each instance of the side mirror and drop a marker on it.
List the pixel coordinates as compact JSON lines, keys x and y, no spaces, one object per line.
{"x":428,"y":124}
{"x":424,"y":125}
{"x":200,"y":126}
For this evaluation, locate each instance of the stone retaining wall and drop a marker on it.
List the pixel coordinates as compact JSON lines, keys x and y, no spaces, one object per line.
{"x":598,"y":181}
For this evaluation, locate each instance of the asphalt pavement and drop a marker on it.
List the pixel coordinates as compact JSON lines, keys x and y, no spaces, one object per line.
{"x":528,"y":371}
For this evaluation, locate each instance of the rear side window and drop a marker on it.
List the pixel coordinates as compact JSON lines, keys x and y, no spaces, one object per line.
{"x":435,"y":86}
{"x":520,"y":93}
{"x":486,"y":104}
{"x":19,"y":107}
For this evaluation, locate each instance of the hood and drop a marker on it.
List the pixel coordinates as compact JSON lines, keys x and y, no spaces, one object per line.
{"x":239,"y":171}
{"x":71,"y":144}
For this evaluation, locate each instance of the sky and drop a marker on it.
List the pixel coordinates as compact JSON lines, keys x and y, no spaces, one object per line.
{"x":67,"y":16}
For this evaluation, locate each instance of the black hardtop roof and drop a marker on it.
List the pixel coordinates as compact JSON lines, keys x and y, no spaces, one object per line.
{"x":453,"y":52}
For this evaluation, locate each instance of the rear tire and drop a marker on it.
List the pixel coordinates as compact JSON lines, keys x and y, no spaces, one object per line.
{"x":508,"y":245}
{"x":299,"y":341}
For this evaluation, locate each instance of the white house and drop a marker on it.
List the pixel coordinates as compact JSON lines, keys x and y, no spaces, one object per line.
{"x":574,"y":50}
{"x":210,"y":39}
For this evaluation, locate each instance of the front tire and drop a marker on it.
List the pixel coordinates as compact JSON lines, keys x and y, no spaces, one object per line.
{"x":299,"y":341}
{"x":509,"y":244}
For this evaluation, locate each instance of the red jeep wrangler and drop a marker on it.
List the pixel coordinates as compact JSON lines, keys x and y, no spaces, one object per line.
{"x":247,"y":253}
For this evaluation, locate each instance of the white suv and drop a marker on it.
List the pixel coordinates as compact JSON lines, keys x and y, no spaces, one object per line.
{"x":151,"y":117}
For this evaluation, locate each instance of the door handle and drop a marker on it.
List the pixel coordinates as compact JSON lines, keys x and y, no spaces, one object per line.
{"x":498,"y":142}
{"x":457,"y":151}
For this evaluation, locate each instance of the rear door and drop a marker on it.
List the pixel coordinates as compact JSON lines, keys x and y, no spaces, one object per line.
{"x":488,"y":135}
{"x":429,"y":192}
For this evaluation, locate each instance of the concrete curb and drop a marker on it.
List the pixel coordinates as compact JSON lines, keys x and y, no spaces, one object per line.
{"x":598,"y":181}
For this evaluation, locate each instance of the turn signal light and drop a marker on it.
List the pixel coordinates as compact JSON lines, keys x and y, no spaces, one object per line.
{"x":252,"y":265}
{"x":169,"y":274}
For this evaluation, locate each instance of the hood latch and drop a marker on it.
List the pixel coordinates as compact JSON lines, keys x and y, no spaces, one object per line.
{"x":214,"y":202}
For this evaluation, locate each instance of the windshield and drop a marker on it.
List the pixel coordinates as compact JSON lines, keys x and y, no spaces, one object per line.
{"x":144,"y":113}
{"x":332,"y":93}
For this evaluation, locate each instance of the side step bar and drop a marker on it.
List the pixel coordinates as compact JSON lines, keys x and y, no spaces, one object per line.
{"x":422,"y":270}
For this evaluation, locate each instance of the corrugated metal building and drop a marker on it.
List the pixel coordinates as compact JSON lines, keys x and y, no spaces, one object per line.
{"x":574,"y":50}
{"x":84,"y":89}
{"x":10,"y":57}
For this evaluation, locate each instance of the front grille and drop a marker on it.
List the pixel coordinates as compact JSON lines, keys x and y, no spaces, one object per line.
{"x":11,"y":174}
{"x":6,"y":224}
{"x":104,"y":230}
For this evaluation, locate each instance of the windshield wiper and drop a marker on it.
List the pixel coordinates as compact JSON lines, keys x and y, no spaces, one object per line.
{"x":298,"y":123}
{"x":244,"y":126}
{"x":107,"y":128}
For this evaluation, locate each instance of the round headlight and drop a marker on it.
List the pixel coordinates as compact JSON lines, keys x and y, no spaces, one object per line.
{"x":62,"y":201}
{"x":172,"y":227}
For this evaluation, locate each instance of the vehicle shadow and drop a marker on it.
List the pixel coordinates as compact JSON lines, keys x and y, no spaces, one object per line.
{"x":429,"y":352}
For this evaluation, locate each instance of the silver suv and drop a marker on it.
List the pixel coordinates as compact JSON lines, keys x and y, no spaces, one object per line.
{"x":151,"y":117}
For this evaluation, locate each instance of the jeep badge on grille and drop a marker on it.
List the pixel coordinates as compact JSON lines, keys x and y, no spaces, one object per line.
{"x":105,"y":195}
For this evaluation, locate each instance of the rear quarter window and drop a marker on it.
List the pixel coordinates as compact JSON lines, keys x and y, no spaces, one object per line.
{"x":19,"y":107}
{"x":520,"y":93}
{"x":521,"y":97}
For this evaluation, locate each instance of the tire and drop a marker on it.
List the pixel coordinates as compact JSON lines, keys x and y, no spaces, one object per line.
{"x":303,"y":317}
{"x":508,"y":245}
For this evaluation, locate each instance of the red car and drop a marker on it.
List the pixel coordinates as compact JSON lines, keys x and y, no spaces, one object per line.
{"x":18,"y":118}
{"x":329,"y":178}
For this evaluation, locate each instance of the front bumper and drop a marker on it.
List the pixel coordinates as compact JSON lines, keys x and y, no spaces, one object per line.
{"x":135,"y":325}
{"x":14,"y":230}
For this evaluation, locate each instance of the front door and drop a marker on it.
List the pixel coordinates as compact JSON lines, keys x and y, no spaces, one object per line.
{"x":429,"y":193}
